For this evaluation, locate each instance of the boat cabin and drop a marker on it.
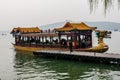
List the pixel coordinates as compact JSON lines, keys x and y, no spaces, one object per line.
{"x":79,"y":34}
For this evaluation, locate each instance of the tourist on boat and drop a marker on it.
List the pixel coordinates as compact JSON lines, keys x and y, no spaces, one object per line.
{"x":84,"y":44}
{"x":47,"y":41}
{"x":55,"y":41}
{"x":64,"y":42}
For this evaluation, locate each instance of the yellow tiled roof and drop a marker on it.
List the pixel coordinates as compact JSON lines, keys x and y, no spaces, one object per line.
{"x":26,"y":30}
{"x":74,"y":26}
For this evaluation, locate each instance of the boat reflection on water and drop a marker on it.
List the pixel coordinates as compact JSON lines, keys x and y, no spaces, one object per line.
{"x":29,"y":67}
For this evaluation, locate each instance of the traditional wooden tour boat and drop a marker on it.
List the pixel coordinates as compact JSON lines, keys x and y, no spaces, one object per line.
{"x":72,"y":36}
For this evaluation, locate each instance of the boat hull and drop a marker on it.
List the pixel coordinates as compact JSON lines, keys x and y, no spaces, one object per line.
{"x":22,"y":48}
{"x":100,"y":48}
{"x":31,"y":49}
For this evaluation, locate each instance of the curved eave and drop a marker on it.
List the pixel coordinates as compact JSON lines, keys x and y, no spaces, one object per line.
{"x":73,"y":29}
{"x":61,"y":29}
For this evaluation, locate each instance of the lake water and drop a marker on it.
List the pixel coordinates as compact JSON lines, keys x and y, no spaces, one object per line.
{"x":17,"y":65}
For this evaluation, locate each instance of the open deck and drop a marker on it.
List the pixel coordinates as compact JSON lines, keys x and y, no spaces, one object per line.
{"x":80,"y":56}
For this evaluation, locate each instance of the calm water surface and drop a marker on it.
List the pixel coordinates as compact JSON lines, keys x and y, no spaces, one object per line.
{"x":17,"y":65}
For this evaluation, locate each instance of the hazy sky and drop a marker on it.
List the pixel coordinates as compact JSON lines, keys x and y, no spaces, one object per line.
{"x":30,"y":13}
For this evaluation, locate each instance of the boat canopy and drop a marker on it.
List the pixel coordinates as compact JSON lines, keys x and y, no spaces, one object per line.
{"x":39,"y":35}
{"x":26,"y":30}
{"x":75,"y":26}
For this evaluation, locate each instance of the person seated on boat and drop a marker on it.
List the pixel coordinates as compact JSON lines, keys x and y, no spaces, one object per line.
{"x":89,"y":44}
{"x":17,"y":41}
{"x":32,"y":40}
{"x":83,"y":43}
{"x":63,"y":42}
{"x":55,"y":41}
{"x":47,"y":41}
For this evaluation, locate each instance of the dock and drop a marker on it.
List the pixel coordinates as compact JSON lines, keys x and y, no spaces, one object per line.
{"x":107,"y":58}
